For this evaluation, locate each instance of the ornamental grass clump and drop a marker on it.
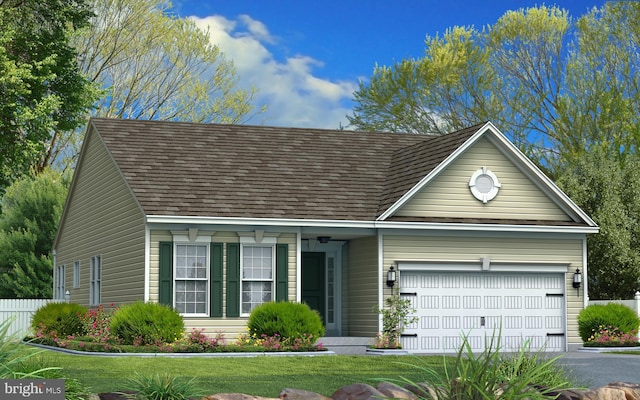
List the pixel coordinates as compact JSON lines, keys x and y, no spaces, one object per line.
{"x":491,"y":375}
{"x":607,"y":325}
{"x":156,"y":387}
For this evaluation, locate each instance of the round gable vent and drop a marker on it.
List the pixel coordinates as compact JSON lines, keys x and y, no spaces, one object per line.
{"x":484,"y":185}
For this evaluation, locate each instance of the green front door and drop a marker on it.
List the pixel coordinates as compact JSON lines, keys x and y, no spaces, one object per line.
{"x":313,"y":282}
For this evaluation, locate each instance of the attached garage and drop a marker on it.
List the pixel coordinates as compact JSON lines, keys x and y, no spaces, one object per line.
{"x":519,"y":304}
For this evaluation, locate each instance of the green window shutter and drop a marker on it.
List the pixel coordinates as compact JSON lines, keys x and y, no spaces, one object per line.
{"x":166,"y":273}
{"x":233,"y":279}
{"x":216,"y":280}
{"x":282,"y":272}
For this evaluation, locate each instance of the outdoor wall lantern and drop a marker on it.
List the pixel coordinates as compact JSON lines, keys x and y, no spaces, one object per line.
{"x":577,"y":279}
{"x":391,"y":277}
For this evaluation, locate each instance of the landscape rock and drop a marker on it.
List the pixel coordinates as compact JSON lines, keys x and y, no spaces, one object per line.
{"x":605,"y":393}
{"x":386,"y":390}
{"x":631,"y":390}
{"x":358,"y":391}
{"x":422,"y":390}
{"x":566,"y":394}
{"x":393,"y":391}
{"x":298,"y":394}
{"x":235,"y":396}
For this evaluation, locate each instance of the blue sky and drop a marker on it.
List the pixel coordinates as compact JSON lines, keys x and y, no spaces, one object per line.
{"x":306,"y":57}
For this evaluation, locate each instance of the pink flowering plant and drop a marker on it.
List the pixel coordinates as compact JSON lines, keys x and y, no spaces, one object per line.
{"x":612,"y":336}
{"x":276,"y":342}
{"x":96,"y":322}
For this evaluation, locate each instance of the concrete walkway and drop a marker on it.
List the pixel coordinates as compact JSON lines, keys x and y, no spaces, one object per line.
{"x":599,"y":369}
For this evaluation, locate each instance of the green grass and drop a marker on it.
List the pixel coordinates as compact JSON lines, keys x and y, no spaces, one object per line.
{"x":258,"y":376}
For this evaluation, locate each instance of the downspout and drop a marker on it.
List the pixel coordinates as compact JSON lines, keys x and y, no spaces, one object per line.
{"x":53,"y":284}
{"x":380,"y":274}
{"x":147,"y":262}
{"x":585,"y":281}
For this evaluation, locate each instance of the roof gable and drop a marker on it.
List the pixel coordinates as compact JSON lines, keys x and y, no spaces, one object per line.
{"x":529,"y":196}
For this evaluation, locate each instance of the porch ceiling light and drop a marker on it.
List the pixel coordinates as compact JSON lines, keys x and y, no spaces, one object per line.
{"x":324,"y":239}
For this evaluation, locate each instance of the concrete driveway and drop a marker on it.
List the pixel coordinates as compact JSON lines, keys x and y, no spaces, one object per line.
{"x":599,"y":369}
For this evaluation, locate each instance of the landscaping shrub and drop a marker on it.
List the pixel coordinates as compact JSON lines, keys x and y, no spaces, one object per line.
{"x":146,"y":323}
{"x":286,"y":320}
{"x":593,"y":318}
{"x":58,"y":319}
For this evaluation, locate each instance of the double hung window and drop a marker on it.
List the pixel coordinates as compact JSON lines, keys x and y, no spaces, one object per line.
{"x":95,"y":281}
{"x":59,"y":293}
{"x":258,"y":266}
{"x":192,"y":278}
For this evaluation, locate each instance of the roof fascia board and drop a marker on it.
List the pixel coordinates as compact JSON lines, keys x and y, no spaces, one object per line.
{"x":425,"y":226}
{"x":532,"y":170}
{"x":72,"y":186}
{"x":435,"y":172}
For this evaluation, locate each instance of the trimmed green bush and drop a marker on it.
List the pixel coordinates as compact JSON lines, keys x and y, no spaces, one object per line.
{"x":595,"y":316}
{"x":146,"y":323}
{"x":286,"y":319}
{"x":61,"y":319}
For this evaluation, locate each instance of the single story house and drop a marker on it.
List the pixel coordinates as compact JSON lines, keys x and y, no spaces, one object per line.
{"x":216,"y":219}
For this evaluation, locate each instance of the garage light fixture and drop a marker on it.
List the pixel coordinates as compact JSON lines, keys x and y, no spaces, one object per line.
{"x":577,"y":279}
{"x":391,"y":277}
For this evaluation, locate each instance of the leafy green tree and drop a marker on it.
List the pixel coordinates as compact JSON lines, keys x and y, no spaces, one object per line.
{"x":556,"y":86}
{"x":608,"y":191}
{"x":155,"y":65}
{"x":42,"y":92}
{"x":31,"y":211}
{"x":151,"y":64}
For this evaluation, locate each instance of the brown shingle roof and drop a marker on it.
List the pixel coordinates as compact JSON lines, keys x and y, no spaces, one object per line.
{"x":189,"y":169}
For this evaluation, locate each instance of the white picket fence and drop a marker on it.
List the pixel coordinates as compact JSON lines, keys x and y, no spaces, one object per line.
{"x":21,"y":310}
{"x":632,"y":304}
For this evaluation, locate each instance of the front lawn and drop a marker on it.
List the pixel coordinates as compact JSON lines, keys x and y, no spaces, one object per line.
{"x":259,"y":376}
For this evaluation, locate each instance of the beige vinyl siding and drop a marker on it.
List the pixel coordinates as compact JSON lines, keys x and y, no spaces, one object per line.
{"x":448,"y":195}
{"x":363,"y":279}
{"x":497,"y":249}
{"x":229,"y":326}
{"x":102,"y":219}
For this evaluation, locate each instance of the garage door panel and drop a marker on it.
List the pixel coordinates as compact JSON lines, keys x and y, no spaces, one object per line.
{"x":449,"y":305}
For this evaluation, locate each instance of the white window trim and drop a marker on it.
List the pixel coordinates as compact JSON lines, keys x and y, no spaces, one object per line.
{"x":200,"y":241}
{"x":95,"y":296}
{"x":483,"y":196}
{"x":251,"y":242}
{"x":76,"y":274}
{"x":60,"y":278}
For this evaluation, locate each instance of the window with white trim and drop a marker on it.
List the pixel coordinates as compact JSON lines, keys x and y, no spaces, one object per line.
{"x":191,"y":286}
{"x":95,"y":281}
{"x":59,"y":293}
{"x":76,"y":274}
{"x":257,"y":266}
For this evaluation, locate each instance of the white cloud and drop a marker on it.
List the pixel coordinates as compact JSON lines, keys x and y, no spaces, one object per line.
{"x":293,"y":94}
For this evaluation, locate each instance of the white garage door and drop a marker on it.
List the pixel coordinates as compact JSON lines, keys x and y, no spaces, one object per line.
{"x":522,"y":306}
